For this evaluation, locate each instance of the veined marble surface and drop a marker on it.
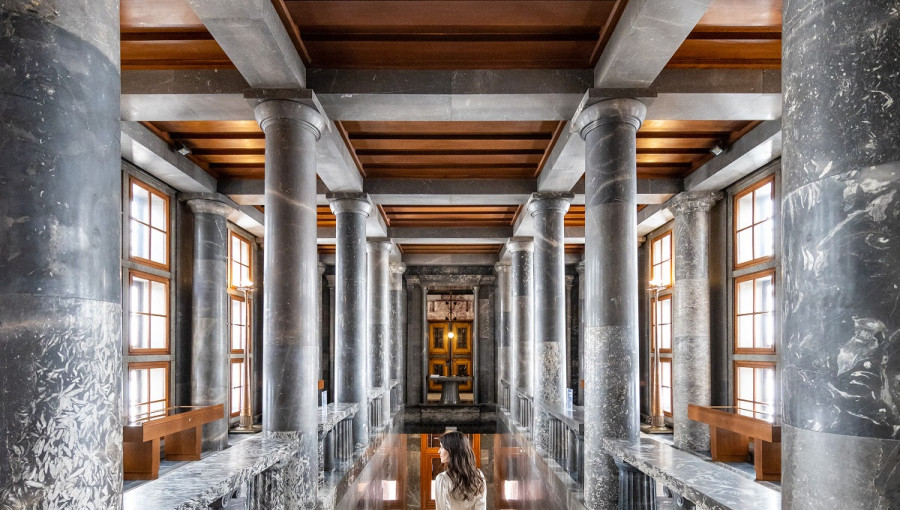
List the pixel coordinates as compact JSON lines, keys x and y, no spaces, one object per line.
{"x":707,"y":485}
{"x":335,"y":413}
{"x":196,"y":485}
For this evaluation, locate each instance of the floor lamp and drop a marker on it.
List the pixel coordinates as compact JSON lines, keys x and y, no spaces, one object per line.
{"x":245,"y":425}
{"x":657,"y":419}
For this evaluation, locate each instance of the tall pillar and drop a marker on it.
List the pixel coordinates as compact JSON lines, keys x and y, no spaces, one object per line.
{"x":691,"y":320}
{"x":350,"y":330}
{"x":521,"y":319}
{"x":580,"y":388}
{"x":398,"y":327}
{"x":60,"y":238}
{"x":291,"y":346}
{"x":322,"y":322}
{"x":501,"y":330}
{"x":571,"y":343}
{"x":610,"y":306}
{"x":380,"y":321}
{"x":210,"y":349}
{"x":547,"y":211}
{"x":841,"y":182}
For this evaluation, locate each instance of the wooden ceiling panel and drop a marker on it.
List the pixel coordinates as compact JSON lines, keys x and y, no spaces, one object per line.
{"x":450,"y":249}
{"x":226,"y":149}
{"x":450,"y":216}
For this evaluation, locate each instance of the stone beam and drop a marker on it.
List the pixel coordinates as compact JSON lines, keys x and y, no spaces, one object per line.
{"x":644,"y":40}
{"x":449,"y":235}
{"x":255,"y":39}
{"x":184,"y":95}
{"x":449,"y":191}
{"x":446,"y":259}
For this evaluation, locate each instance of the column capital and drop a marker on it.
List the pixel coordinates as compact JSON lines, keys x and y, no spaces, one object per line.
{"x":349,"y":203}
{"x":209,"y":203}
{"x":549,"y":201}
{"x":379,"y":244}
{"x":329,"y":280}
{"x":321,"y":268}
{"x":398,"y":267}
{"x":580,"y":268}
{"x":274,"y":109}
{"x":570,"y":280}
{"x":693,"y":201}
{"x":626,"y":110}
{"x":502,"y":267}
{"x":520,"y":244}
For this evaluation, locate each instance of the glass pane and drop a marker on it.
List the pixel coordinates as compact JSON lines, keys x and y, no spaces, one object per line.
{"x":245,"y":275}
{"x":140,"y":295}
{"x":158,"y":298}
{"x":140,"y":203}
{"x":235,"y":400}
{"x":764,"y":237}
{"x":745,"y":383}
{"x":744,"y":212}
{"x":665,"y":337}
{"x":665,"y":272}
{"x":140,"y":328}
{"x":236,"y":337}
{"x":744,"y":246}
{"x":140,"y":240}
{"x":765,"y":330}
{"x":157,"y":383}
{"x":765,"y":294}
{"x":245,"y":253}
{"x":744,"y":296}
{"x":665,"y":374}
{"x":666,"y":315}
{"x":763,"y":203}
{"x":765,"y":385}
{"x":157,"y":332}
{"x":745,"y":332}
{"x":158,"y":246}
{"x":158,"y":212}
{"x":657,"y":248}
{"x":666,"y":248}
{"x":665,"y":399}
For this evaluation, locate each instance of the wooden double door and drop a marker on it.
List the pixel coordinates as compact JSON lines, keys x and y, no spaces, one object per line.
{"x":450,"y":352}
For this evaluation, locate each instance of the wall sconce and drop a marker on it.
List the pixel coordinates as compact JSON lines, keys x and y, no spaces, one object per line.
{"x":182,"y":149}
{"x":717,"y":149}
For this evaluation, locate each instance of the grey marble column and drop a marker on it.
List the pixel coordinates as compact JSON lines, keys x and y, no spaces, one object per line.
{"x":521,"y":319}
{"x":571,"y":361}
{"x":210,"y":348}
{"x":332,"y":351}
{"x":501,"y":329}
{"x":350,"y":329}
{"x":60,"y":257}
{"x":322,"y":327}
{"x":398,"y":326}
{"x":610,"y":256}
{"x":841,"y":266}
{"x":291,"y":346}
{"x":379,"y":251}
{"x":580,"y":390}
{"x":412,"y":377}
{"x":691,"y":319}
{"x":549,"y":271}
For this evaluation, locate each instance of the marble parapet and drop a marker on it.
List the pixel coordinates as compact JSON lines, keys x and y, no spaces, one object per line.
{"x":705,"y":484}
{"x":197,"y":485}
{"x":336,"y":412}
{"x":376,"y":393}
{"x":573,"y":418}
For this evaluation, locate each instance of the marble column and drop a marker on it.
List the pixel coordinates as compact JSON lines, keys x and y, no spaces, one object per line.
{"x":691,"y":320}
{"x":350,"y":329}
{"x":521,"y":320}
{"x":610,"y":255}
{"x":379,"y":251}
{"x":60,"y":256}
{"x":571,"y":361}
{"x":398,"y":327}
{"x":501,"y":331}
{"x":324,"y":367}
{"x":331,"y":386}
{"x":549,"y":272}
{"x":841,"y":267}
{"x":290,"y":343}
{"x":580,"y":389}
{"x":210,"y":348}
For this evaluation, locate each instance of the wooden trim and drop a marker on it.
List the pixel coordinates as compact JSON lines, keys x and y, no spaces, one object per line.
{"x":146,"y":365}
{"x":734,"y":313}
{"x":754,"y":365}
{"x":152,"y":191}
{"x":671,"y":254}
{"x":734,"y":218}
{"x":654,"y":325}
{"x":159,"y":279}
{"x":248,"y":265}
{"x":671,"y":386}
{"x":231,"y":388}
{"x":247,"y":327}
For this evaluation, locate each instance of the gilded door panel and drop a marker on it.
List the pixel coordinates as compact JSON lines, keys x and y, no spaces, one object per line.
{"x":462,"y":339}
{"x":438,"y":341}
{"x":463,"y":368}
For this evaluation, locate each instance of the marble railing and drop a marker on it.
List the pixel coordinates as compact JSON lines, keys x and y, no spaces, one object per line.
{"x":376,"y":414}
{"x":336,"y":434}
{"x":396,"y":395}
{"x":566,"y":440}
{"x":504,"y":395}
{"x":526,"y":411}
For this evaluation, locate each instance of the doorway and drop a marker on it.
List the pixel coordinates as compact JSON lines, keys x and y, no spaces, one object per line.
{"x":450,"y":353}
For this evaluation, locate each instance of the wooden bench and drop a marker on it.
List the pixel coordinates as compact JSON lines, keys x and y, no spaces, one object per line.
{"x":730,"y":434}
{"x":181,"y":427}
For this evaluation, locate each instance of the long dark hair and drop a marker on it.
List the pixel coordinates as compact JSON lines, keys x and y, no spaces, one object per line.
{"x":467,"y":482}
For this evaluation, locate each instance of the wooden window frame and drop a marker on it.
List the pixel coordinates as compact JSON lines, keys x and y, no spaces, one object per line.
{"x":133,"y":181}
{"x":670,"y":259}
{"x":231,"y":260}
{"x":146,"y":365}
{"x":654,"y":325}
{"x":660,"y":386}
{"x":231,"y":323}
{"x":754,"y":365}
{"x":231,"y":387}
{"x":734,"y":229}
{"x":734,"y":315}
{"x":159,"y":279}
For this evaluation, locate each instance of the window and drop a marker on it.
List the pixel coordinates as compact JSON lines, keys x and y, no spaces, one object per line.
{"x":239,"y":261}
{"x":754,"y":389}
{"x":237,"y":386}
{"x":149,"y":225}
{"x":661,"y":324}
{"x":148,"y":390}
{"x":754,"y":304}
{"x":238,"y":319}
{"x":665,"y":386}
{"x":754,"y":225}
{"x":149,"y":313}
{"x":661,"y":260}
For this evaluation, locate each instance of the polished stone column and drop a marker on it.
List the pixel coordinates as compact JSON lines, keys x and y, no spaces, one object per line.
{"x":210,"y":348}
{"x":841,"y":268}
{"x":571,"y":361}
{"x":324,"y":367}
{"x":398,"y":326}
{"x":350,"y":330}
{"x":521,"y":319}
{"x":379,"y":252}
{"x":547,"y":211}
{"x":610,"y":256}
{"x":60,"y":256}
{"x":501,"y":331}
{"x":580,"y":390}
{"x":291,"y":346}
{"x":691,"y":341}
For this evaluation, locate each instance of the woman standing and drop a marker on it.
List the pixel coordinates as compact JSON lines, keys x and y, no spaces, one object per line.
{"x":461,"y":486}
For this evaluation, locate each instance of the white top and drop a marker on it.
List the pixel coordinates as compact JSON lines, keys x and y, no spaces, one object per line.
{"x":444,"y":501}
